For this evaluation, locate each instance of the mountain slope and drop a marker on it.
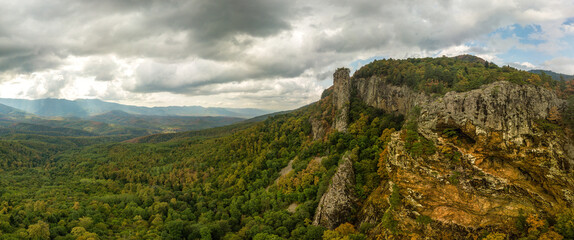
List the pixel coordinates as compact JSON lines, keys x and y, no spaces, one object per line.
{"x":6,"y":110}
{"x":163,"y":123}
{"x":469,"y":160}
{"x":554,"y":75}
{"x":8,"y":115}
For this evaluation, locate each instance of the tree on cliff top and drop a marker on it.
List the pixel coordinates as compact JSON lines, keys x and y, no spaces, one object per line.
{"x":441,"y":75}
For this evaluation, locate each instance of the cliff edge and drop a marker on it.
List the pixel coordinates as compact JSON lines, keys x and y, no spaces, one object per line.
{"x":488,"y":154}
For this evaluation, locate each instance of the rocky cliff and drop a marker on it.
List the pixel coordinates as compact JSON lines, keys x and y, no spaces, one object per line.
{"x":342,"y":85}
{"x":497,"y":152}
{"x":336,"y":205}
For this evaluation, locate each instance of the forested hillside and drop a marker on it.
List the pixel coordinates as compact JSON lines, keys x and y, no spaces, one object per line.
{"x":198,"y":187}
{"x":266,"y":180}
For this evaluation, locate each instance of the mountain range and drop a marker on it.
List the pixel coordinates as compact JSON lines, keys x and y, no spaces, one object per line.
{"x":62,"y":122}
{"x":83,"y":108}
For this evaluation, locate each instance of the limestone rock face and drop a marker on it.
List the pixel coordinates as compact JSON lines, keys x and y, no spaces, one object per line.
{"x":494,"y":158}
{"x":318,"y":128}
{"x":506,"y":161}
{"x":376,"y":92}
{"x":337,"y":204}
{"x":341,"y":98}
{"x":502,"y":107}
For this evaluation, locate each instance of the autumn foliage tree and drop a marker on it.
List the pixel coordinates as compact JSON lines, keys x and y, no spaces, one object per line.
{"x":39,"y":231}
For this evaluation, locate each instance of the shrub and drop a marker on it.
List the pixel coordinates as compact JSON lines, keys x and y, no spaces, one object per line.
{"x":565,"y":223}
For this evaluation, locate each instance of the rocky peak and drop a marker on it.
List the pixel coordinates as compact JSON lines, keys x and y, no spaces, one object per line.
{"x":374,"y":91}
{"x":337,"y":204}
{"x":341,"y":76}
{"x":493,"y":156}
{"x":377,"y":92}
{"x":501,"y":108}
{"x":341,"y":98}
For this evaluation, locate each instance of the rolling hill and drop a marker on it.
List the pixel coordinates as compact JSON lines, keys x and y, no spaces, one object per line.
{"x":554,"y":75}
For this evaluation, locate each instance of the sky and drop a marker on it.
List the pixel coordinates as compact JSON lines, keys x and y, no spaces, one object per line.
{"x":267,"y":54}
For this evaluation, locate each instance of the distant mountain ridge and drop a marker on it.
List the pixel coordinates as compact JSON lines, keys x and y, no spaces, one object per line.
{"x":164,"y":123}
{"x":90,"y":107}
{"x":554,"y":75}
{"x":7,"y":110}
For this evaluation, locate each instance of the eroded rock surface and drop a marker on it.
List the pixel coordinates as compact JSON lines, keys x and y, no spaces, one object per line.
{"x":496,"y":160}
{"x":507,"y":162}
{"x":504,"y":108}
{"x":341,"y":98}
{"x":376,"y":92}
{"x":337,"y":204}
{"x":318,"y":128}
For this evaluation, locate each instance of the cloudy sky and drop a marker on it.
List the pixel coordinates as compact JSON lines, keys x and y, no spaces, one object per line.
{"x":270,"y":54}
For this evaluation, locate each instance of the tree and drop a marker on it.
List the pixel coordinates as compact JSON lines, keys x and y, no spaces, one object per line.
{"x":565,"y":223}
{"x":76,"y":206}
{"x":266,"y":236}
{"x":346,"y":229}
{"x":551,"y":235}
{"x":205,"y":233}
{"x":78,"y":231}
{"x":495,"y":236}
{"x":569,"y":87}
{"x":554,"y":115}
{"x":40,"y":230}
{"x":85,"y":222}
{"x":535,"y":224}
{"x":81,"y":234}
{"x":568,"y":116}
{"x":175,"y":228}
{"x":343,"y":231}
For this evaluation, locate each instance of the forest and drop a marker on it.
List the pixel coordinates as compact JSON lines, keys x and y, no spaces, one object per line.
{"x":227,"y":182}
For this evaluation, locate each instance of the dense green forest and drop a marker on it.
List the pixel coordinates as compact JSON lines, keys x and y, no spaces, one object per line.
{"x":462,"y":73}
{"x":226,"y":183}
{"x":184,"y":188}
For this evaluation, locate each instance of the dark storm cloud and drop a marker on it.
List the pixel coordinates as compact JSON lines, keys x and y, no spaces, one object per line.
{"x":217,"y":20}
{"x":427,"y":25}
{"x":219,"y":30}
{"x":28,"y":60}
{"x":152,"y":29}
{"x":223,"y":29}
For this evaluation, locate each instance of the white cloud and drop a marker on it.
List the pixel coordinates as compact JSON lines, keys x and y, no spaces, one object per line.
{"x":561,"y":65}
{"x":251,"y":53}
{"x":523,"y":65}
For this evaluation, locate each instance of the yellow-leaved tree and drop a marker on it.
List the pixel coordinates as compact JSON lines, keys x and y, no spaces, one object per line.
{"x":40,"y":230}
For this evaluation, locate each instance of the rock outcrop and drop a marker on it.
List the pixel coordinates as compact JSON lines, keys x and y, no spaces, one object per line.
{"x":337,"y":204}
{"x":507,"y":164}
{"x":318,"y":128}
{"x":376,"y":92}
{"x":342,"y":98}
{"x":494,"y":158}
{"x":503,"y":108}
